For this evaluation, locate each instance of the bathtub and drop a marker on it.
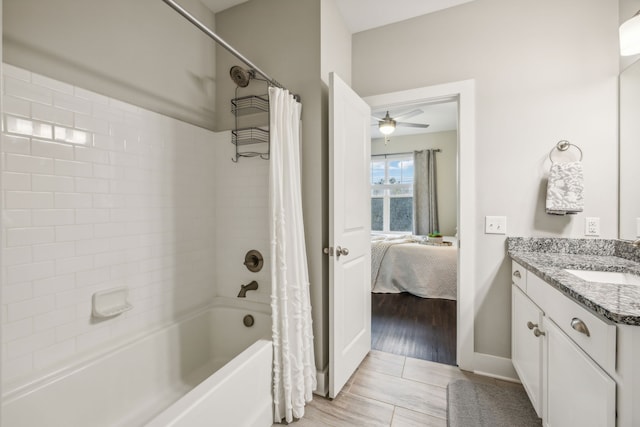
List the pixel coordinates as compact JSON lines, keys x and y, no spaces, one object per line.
{"x":207,"y":369}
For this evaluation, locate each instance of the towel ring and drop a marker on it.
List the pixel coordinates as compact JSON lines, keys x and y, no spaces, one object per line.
{"x":564,"y":145}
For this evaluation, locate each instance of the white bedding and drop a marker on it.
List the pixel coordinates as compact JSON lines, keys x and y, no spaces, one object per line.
{"x":401,"y":265}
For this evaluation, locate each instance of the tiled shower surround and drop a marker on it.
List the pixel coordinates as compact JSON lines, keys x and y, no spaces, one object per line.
{"x":99,"y":194}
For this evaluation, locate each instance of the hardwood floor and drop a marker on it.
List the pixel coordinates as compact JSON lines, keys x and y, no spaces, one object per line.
{"x":408,"y":325}
{"x":389,"y":390}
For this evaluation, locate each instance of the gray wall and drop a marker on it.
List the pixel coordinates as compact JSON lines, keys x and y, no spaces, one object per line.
{"x":445,"y":168}
{"x":139,"y":51}
{"x":282,"y":37}
{"x":544,"y":71}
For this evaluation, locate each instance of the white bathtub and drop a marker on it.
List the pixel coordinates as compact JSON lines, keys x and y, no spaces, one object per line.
{"x":208,"y":369}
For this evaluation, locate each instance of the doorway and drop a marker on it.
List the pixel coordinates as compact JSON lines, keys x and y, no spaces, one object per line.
{"x":463,"y":95}
{"x":414,"y":230}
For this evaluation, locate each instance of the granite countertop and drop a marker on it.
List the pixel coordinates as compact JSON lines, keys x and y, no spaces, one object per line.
{"x":547,"y":259}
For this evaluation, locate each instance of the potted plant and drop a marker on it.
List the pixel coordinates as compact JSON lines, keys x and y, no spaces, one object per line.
{"x":435,"y":237}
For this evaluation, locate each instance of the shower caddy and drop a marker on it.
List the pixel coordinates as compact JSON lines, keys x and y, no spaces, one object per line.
{"x":242,"y":106}
{"x":257,"y":136}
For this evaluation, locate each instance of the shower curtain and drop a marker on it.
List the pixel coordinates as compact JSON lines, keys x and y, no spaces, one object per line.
{"x":425,"y":198}
{"x":294,"y":369}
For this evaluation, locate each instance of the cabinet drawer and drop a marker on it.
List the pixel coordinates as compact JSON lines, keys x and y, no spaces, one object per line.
{"x":519,"y":276}
{"x":576,"y":321}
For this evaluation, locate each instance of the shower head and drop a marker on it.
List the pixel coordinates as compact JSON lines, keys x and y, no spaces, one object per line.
{"x":240,"y":76}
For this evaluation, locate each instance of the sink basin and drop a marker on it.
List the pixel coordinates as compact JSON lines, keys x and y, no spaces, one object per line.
{"x":614,"y":277}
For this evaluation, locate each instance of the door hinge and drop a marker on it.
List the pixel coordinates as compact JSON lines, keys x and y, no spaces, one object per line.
{"x":328,"y":251}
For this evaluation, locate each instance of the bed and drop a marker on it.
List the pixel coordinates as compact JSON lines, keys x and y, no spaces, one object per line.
{"x":403,"y":264}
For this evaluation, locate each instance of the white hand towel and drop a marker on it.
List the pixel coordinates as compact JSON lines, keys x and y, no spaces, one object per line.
{"x":565,"y":188}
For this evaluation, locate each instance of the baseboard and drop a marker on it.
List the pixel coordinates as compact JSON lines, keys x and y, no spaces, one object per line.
{"x":322,"y":378}
{"x":495,"y":367}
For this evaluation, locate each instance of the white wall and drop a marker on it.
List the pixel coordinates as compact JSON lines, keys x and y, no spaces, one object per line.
{"x":1,"y":112}
{"x":543,"y":73}
{"x":242,"y":221}
{"x":139,"y":51}
{"x":335,"y":43}
{"x":129,"y":201}
{"x":446,"y":172}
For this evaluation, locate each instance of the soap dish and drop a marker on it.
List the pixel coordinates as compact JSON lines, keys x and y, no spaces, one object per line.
{"x":110,"y":302}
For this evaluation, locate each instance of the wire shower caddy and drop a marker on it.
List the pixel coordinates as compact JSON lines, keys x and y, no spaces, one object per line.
{"x":255,"y":136}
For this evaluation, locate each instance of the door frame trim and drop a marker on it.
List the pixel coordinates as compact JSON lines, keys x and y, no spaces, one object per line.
{"x":464,"y":92}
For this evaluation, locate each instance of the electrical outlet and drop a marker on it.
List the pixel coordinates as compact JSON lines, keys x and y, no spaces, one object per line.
{"x":495,"y":225}
{"x":592,"y":226}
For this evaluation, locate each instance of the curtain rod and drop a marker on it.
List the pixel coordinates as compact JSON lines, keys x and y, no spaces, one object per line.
{"x":189,"y":17}
{"x":407,"y":152}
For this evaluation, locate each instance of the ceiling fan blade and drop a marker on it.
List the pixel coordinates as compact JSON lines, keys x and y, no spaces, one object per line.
{"x":409,"y":114}
{"x":412,"y":125}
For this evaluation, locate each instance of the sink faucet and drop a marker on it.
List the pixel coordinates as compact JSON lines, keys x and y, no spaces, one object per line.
{"x":636,"y":243}
{"x":248,"y":287}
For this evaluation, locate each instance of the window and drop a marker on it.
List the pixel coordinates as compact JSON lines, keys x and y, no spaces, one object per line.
{"x":392,"y":193}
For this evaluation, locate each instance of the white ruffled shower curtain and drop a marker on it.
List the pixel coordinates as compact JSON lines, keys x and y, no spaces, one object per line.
{"x":294,"y":369}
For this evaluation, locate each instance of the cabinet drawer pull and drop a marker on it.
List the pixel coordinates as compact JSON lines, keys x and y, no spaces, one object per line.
{"x":531,"y":325}
{"x":537,"y":332}
{"x":580,"y":326}
{"x":517,"y":274}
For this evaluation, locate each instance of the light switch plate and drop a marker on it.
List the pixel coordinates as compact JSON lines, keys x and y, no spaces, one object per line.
{"x":592,"y":226}
{"x":495,"y":225}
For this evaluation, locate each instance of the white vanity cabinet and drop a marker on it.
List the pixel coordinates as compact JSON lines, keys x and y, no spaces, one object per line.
{"x":552,"y":341}
{"x":526,"y":348}
{"x":579,"y":392}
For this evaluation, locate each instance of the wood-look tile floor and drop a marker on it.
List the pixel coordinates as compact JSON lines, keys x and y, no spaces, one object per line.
{"x":389,"y":390}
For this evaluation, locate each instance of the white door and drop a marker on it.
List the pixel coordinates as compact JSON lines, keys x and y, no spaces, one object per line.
{"x":579,"y":392}
{"x":349,"y":232}
{"x":526,"y":348}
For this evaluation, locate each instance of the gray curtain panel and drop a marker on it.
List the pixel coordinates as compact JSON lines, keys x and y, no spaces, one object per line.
{"x":425,"y":205}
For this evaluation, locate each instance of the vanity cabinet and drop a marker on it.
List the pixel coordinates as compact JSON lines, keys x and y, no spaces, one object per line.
{"x":579,"y":392}
{"x":526,"y":348}
{"x":559,"y":350}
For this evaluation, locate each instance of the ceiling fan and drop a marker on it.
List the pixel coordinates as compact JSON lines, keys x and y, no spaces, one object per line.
{"x":387,"y":124}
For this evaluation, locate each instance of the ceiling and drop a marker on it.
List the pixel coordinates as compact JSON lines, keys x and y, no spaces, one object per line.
{"x":219,"y":5}
{"x":440,"y":117}
{"x":361,"y":15}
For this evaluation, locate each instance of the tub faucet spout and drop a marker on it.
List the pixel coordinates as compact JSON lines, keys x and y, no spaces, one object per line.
{"x":248,"y":287}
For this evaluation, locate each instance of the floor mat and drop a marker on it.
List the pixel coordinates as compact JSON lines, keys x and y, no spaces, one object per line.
{"x":472,"y":404}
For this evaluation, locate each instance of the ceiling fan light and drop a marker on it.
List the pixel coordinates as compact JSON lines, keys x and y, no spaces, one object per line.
{"x":630,"y":36}
{"x":387,"y":126}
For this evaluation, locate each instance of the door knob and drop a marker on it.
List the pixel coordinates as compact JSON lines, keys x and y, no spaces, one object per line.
{"x":341,"y":251}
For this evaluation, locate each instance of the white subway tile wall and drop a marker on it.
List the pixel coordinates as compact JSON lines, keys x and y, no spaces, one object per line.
{"x":242,"y":218}
{"x":98,"y":194}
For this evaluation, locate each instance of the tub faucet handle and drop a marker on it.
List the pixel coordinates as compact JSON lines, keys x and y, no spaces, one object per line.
{"x":252,"y":286}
